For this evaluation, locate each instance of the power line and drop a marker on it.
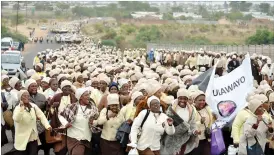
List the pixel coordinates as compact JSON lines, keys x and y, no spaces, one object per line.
{"x":17,"y":15}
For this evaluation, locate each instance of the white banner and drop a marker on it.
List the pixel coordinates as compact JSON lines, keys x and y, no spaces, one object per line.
{"x":226,"y":95}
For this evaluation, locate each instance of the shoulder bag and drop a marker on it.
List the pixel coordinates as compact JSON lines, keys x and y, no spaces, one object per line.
{"x":40,"y":126}
{"x":255,"y":149}
{"x":7,"y":114}
{"x":142,"y":124}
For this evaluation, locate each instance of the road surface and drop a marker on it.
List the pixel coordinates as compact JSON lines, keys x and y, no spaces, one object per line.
{"x":34,"y":49}
{"x":28,"y":58}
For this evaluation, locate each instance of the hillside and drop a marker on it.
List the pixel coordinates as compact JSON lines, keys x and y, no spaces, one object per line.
{"x":136,"y":34}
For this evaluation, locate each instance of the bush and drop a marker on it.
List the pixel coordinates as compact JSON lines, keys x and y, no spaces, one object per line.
{"x":168,"y":16}
{"x":204,"y":28}
{"x":43,"y":20}
{"x":5,"y":32}
{"x":20,"y":17}
{"x":99,"y":28}
{"x":110,"y":34}
{"x":58,"y":13}
{"x":261,"y":37}
{"x":128,"y":29}
{"x":109,"y":42}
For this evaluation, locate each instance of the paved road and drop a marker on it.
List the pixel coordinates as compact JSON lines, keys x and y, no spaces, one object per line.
{"x":34,"y":49}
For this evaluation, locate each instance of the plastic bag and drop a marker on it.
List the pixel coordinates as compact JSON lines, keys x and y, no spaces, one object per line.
{"x":133,"y":152}
{"x":232,"y":150}
{"x":217,"y":142}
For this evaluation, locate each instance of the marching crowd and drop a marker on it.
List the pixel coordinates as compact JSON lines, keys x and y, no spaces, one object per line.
{"x":81,"y":99}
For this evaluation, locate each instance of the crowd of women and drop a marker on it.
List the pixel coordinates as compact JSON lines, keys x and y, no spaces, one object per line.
{"x":84,"y":100}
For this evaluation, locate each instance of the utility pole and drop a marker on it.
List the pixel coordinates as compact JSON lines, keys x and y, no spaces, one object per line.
{"x":17,"y":15}
{"x":26,"y":3}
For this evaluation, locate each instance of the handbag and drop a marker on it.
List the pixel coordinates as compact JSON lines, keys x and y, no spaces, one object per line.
{"x":207,"y":131}
{"x":255,"y":149}
{"x":217,"y":143}
{"x":40,"y":126}
{"x":7,"y":114}
{"x":53,"y":136}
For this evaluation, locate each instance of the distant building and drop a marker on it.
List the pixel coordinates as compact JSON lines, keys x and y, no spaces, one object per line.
{"x":179,"y":14}
{"x":147,"y":15}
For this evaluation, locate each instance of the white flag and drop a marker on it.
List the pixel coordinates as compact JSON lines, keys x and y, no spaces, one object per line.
{"x":226,"y":95}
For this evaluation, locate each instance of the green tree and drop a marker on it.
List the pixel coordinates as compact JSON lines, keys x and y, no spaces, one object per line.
{"x":235,"y":16}
{"x":240,"y":6}
{"x":63,"y":6}
{"x":203,"y":12}
{"x":5,"y":32}
{"x":264,"y":7}
{"x":58,"y":13}
{"x":168,"y":16}
{"x":271,"y":13}
{"x":4,"y":3}
{"x":217,"y":15}
{"x":177,"y":9}
{"x":261,"y":37}
{"x":247,"y":17}
{"x":20,"y":17}
{"x":16,"y":6}
{"x":43,"y":7}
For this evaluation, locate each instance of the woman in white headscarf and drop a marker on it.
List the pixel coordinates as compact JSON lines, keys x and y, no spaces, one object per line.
{"x":52,"y":90}
{"x":129,"y":110}
{"x":58,"y":103}
{"x":79,"y":81}
{"x":186,"y":134}
{"x":111,"y":119}
{"x":78,"y":118}
{"x":25,"y":116}
{"x":204,"y":120}
{"x":153,"y":124}
{"x":256,"y":128}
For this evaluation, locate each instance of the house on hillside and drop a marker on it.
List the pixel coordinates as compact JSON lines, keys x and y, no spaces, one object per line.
{"x":179,"y":14}
{"x":146,"y":15}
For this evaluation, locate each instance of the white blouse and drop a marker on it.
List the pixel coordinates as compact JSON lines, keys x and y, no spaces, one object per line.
{"x":80,"y":127}
{"x":183,"y":113}
{"x":50,"y":93}
{"x":153,"y":128}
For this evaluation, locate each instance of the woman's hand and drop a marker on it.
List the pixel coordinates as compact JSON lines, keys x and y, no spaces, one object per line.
{"x":68,"y":125}
{"x":196,"y":132}
{"x":50,"y":128}
{"x":55,"y":104}
{"x":91,"y":121}
{"x":129,"y":121}
{"x":259,"y":119}
{"x":169,"y":121}
{"x":270,"y":128}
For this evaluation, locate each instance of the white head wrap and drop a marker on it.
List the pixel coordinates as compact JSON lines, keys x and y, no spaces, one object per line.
{"x":80,"y":92}
{"x":183,"y":92}
{"x":30,"y":72}
{"x":29,"y":82}
{"x":113,"y":99}
{"x":152,"y":98}
{"x":13,"y":81}
{"x":20,"y":93}
{"x":135,"y":95}
{"x":65,"y":83}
